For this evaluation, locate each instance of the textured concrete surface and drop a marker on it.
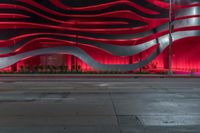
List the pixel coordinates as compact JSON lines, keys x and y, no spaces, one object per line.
{"x":99,"y":105}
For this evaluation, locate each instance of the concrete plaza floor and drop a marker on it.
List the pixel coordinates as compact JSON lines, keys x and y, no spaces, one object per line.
{"x":99,"y":105}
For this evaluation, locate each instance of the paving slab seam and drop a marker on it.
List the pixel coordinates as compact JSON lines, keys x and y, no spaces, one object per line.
{"x":114,"y":108}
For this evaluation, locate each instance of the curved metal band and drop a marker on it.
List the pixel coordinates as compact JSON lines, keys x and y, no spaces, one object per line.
{"x":115,"y":49}
{"x":164,"y":42}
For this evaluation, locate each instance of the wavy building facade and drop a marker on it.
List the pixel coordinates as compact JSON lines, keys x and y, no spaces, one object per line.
{"x":99,"y":35}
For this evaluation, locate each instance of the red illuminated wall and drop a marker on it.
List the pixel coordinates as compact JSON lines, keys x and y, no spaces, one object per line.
{"x":28,"y":25}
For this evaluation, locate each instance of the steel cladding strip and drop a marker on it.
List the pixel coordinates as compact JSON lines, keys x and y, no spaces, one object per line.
{"x":164,"y":42}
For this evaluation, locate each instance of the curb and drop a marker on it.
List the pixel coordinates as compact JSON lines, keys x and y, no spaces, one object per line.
{"x":95,"y":76}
